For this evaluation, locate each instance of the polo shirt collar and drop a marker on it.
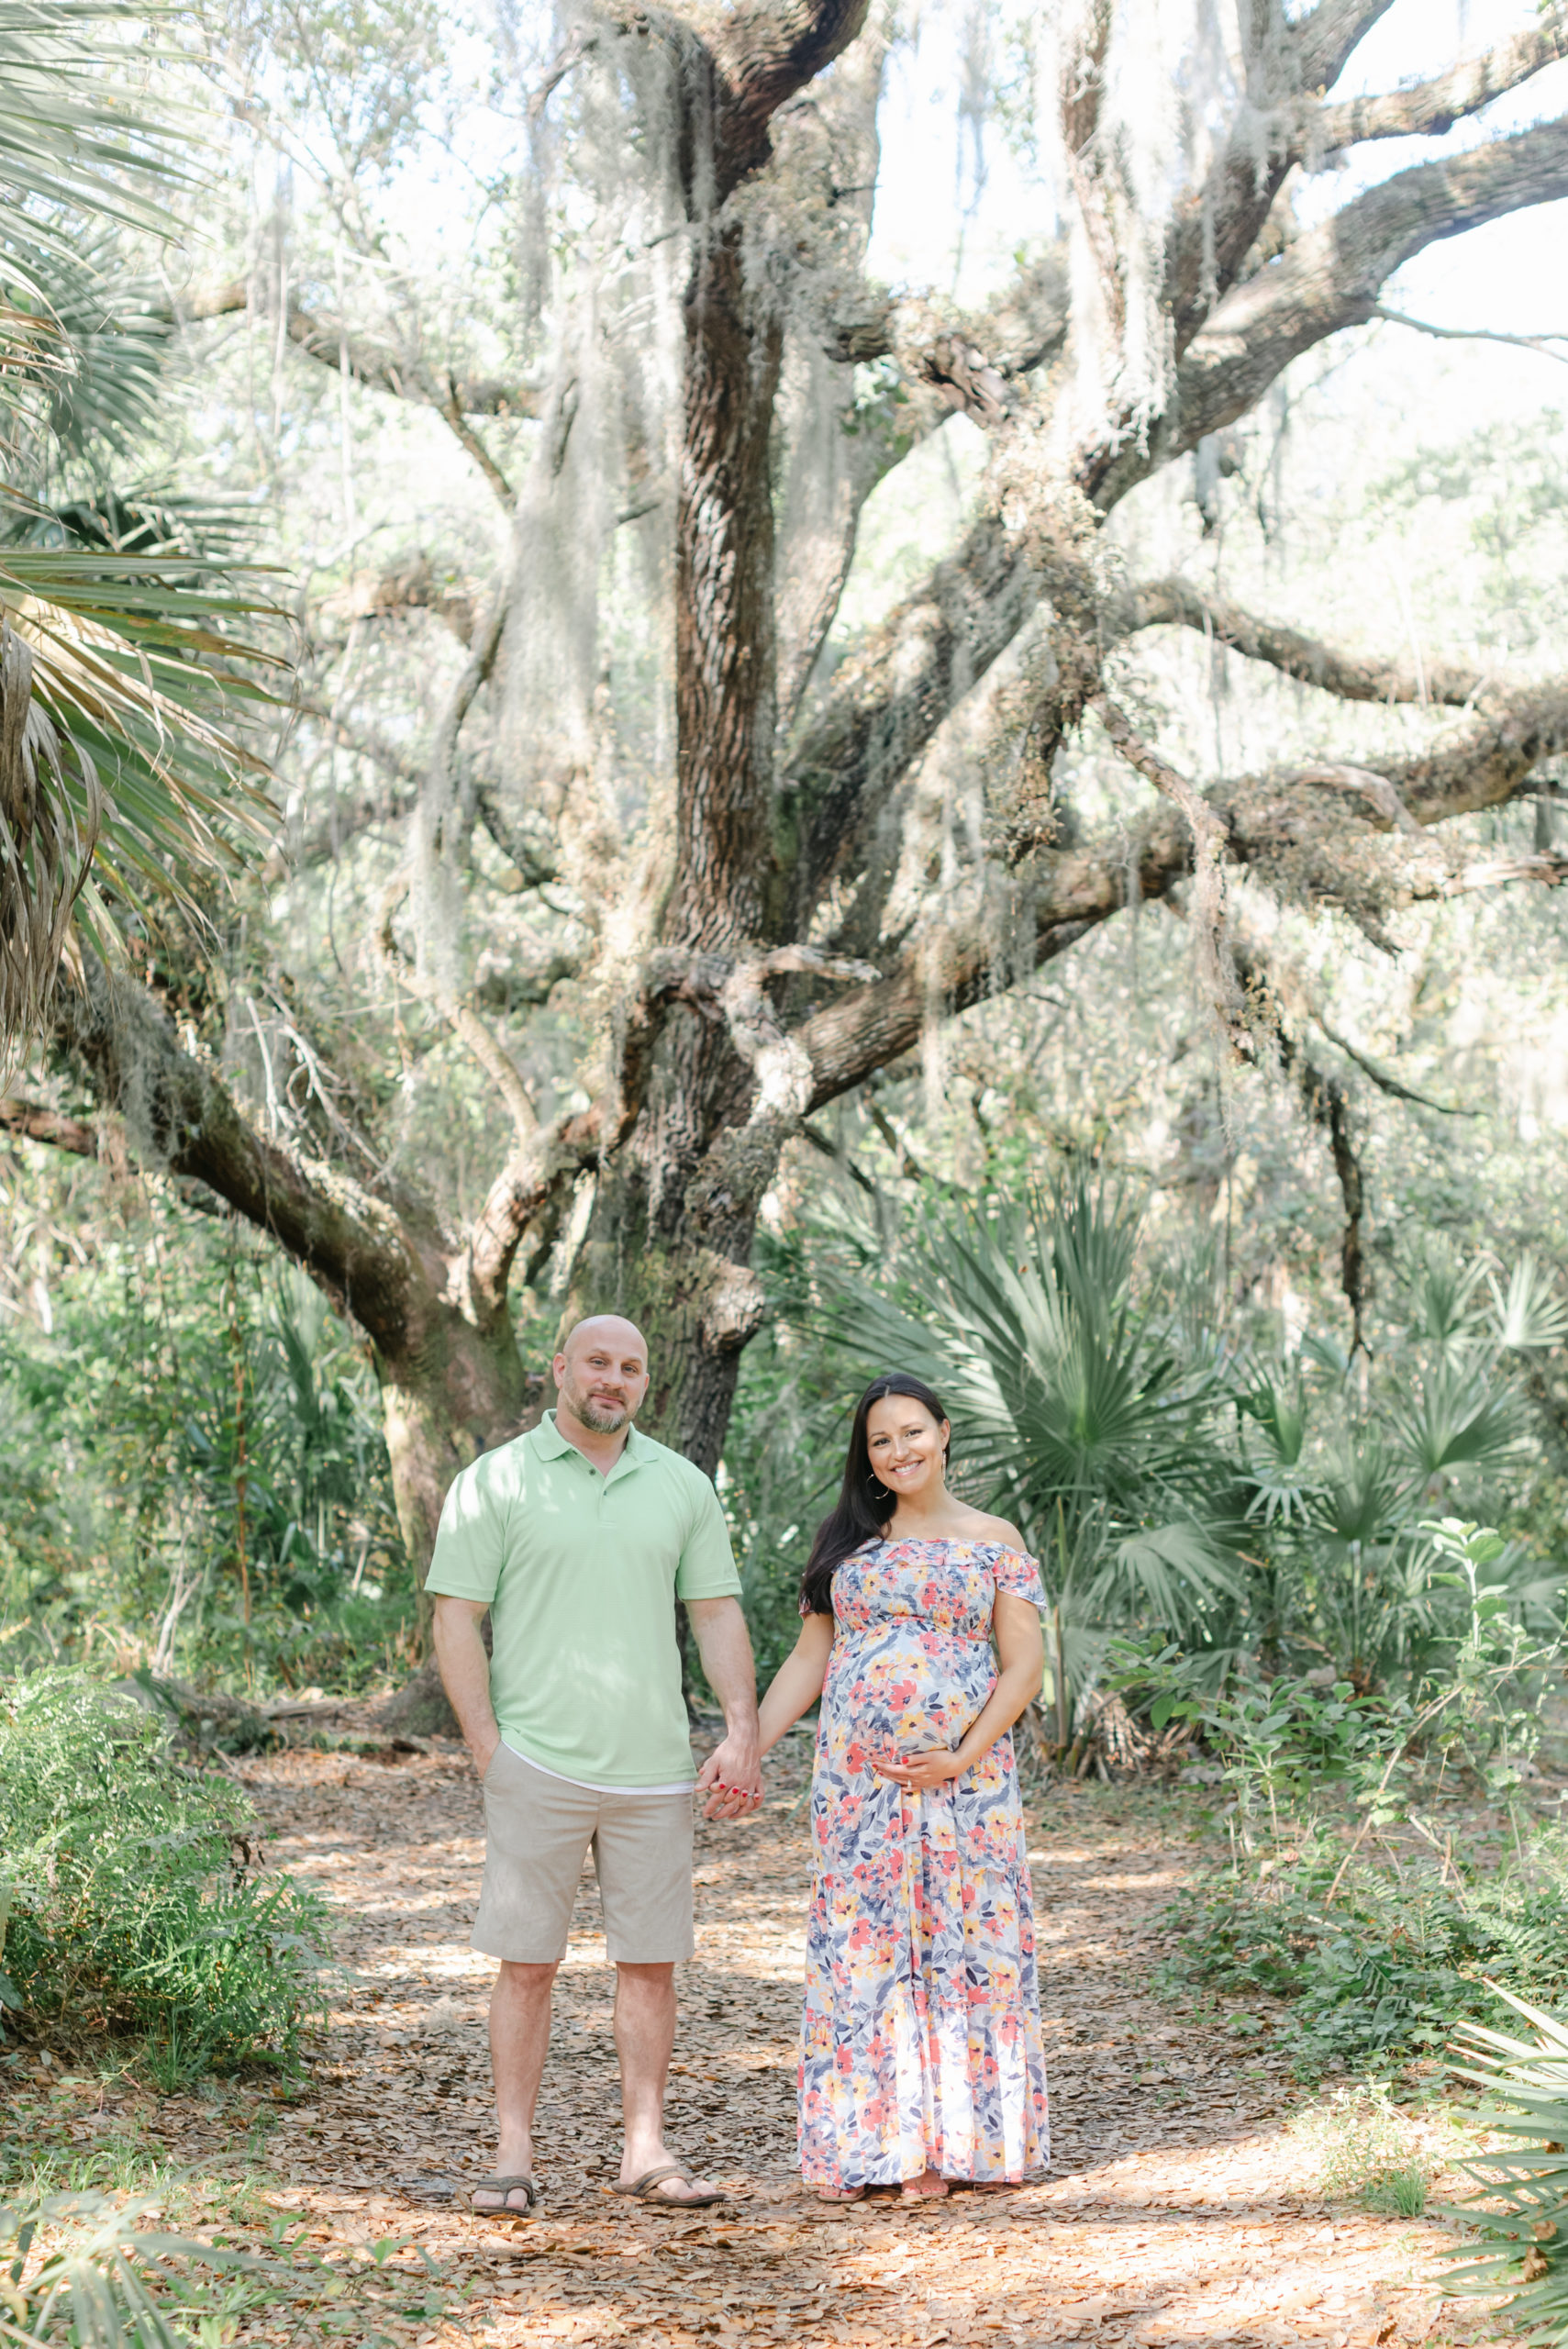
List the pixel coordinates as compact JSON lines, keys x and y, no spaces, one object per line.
{"x":550,"y":1443}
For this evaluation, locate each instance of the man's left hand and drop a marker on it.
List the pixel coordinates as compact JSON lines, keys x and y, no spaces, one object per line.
{"x":732,"y":1778}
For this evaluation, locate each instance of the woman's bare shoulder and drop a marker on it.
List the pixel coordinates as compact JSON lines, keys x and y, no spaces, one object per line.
{"x":981,"y":1527}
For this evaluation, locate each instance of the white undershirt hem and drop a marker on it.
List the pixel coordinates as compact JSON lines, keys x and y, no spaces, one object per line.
{"x":589,"y":1785}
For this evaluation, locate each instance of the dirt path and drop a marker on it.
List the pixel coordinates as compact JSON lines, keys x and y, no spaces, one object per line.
{"x":1178,"y":2210}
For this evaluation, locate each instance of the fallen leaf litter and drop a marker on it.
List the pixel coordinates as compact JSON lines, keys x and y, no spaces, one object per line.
{"x":1178,"y":2212}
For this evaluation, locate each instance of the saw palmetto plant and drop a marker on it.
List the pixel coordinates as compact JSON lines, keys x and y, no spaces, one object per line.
{"x":1519,"y":2211}
{"x":124,"y":676}
{"x":1077,"y":1414}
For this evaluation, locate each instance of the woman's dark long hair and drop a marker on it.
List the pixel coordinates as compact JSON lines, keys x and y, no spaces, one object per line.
{"x":865,"y":1503}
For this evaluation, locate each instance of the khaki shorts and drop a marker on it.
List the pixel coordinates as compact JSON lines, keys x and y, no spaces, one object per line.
{"x":538,"y":1832}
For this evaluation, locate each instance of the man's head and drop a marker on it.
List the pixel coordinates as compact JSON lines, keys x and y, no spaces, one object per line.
{"x":602,"y":1372}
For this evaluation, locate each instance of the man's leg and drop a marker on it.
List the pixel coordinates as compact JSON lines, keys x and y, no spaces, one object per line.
{"x":643,"y":1855}
{"x":536,"y":1831}
{"x":645,"y":2034}
{"x":519,"y":2039}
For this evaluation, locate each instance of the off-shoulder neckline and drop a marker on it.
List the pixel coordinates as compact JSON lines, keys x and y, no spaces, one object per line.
{"x":936,"y":1542}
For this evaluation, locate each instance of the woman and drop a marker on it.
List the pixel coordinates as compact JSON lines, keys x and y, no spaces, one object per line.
{"x":921,"y":2055}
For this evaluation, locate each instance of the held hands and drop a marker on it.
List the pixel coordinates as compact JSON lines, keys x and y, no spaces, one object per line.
{"x":732,"y":1778}
{"x":921,"y":1773}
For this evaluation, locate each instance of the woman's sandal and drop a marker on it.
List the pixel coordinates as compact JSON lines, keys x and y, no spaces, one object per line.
{"x":641,"y":2189}
{"x":505,"y":2187}
{"x":850,"y":2193}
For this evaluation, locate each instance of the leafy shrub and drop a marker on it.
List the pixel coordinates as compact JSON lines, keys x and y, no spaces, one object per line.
{"x":196,"y":1470}
{"x":134,"y":1899}
{"x":1381,"y":1969}
{"x":1522,"y":2210}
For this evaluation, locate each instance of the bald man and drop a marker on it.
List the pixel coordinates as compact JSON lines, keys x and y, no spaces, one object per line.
{"x":579,"y":1537}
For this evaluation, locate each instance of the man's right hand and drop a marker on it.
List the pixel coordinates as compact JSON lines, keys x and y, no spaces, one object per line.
{"x":483,"y":1755}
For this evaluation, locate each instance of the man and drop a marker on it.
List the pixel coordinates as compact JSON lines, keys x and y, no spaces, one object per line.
{"x":579,"y":1537}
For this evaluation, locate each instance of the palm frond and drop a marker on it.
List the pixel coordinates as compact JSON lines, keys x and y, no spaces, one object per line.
{"x":1071,"y":1411}
{"x":1172,"y":1569}
{"x":74,"y":139}
{"x":1458,"y":1416}
{"x":92,"y":346}
{"x":1520,"y":2207}
{"x":1444,"y":1296}
{"x":123,"y":776}
{"x":120,"y":756}
{"x":1531,"y":1312}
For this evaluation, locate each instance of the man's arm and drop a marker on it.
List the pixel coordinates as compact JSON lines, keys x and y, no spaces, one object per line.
{"x":733,"y":1769}
{"x":465,"y":1675}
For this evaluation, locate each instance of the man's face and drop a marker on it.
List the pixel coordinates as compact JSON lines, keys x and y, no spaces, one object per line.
{"x":603,"y":1376}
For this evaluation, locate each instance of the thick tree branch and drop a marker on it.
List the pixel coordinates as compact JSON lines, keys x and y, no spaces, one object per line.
{"x":1429,"y":109}
{"x":1325,"y":41}
{"x":183,"y":1118}
{"x":887,"y":700}
{"x":534,"y":1187}
{"x":31,"y":1121}
{"x":381,"y":365}
{"x":765,"y":53}
{"x":1215,"y":229}
{"x":1327,"y":280}
{"x":1268,"y":821}
{"x":1352,"y":677}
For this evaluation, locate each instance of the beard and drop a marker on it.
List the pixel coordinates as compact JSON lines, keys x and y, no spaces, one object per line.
{"x":605,"y":1419}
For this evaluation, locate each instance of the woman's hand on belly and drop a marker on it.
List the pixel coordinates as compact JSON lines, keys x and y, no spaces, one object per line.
{"x":921,"y":1772}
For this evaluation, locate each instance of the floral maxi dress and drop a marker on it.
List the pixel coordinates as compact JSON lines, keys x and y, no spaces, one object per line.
{"x":920,"y":2042}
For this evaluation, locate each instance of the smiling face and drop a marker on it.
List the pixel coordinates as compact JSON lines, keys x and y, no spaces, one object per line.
{"x":905,"y":1445}
{"x":602,"y":1373}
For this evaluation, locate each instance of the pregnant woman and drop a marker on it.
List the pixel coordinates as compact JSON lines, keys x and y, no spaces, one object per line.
{"x":921,"y":2059}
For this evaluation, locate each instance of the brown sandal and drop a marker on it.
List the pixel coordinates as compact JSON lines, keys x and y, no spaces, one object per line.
{"x":641,"y":2189}
{"x":504,"y":2187}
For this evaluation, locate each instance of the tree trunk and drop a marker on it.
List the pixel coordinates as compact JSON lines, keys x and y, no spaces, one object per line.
{"x":657,"y":1251}
{"x":461,"y":1392}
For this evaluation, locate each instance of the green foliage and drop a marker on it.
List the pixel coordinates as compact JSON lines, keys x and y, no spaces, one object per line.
{"x":126,"y":783}
{"x":783,"y":1454}
{"x":1171,"y":1478}
{"x":1078,"y":1411}
{"x":1376,"y":1961}
{"x":1369,"y":2149}
{"x":1521,"y":2208}
{"x":91,"y":2289}
{"x":135,"y":1900}
{"x":198,"y":1470}
{"x":1381,"y":1966}
{"x":106,"y":2280}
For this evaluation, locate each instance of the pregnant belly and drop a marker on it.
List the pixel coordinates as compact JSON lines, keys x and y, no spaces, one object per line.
{"x":896,"y":1697}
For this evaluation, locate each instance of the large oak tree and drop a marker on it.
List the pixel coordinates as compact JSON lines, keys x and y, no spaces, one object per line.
{"x":743,"y":944}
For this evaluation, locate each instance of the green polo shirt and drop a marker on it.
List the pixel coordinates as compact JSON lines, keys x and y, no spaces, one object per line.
{"x":581,"y":1572}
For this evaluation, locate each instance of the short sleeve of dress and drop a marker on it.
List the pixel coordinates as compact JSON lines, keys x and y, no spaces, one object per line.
{"x":1017,"y":1574}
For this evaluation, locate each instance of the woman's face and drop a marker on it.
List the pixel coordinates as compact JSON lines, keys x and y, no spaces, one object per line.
{"x":906,"y":1444}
